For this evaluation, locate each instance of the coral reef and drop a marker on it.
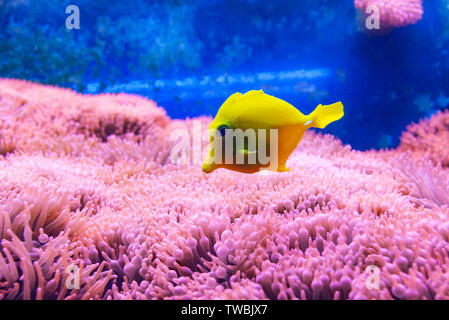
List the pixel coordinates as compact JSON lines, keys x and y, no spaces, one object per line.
{"x":394,"y":13}
{"x":87,"y":185}
{"x":425,"y":138}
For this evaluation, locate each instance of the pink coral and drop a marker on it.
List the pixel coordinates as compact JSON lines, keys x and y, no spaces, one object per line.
{"x":394,"y":13}
{"x":429,"y":137}
{"x":87,"y":181}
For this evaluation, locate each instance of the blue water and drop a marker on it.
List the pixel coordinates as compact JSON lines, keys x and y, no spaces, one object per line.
{"x":189,"y":56}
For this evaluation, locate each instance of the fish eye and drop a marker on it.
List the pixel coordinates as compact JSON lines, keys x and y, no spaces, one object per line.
{"x":222,"y":129}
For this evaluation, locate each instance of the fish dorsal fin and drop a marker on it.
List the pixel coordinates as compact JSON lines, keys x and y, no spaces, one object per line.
{"x":233,"y":98}
{"x":226,"y":110}
{"x":258,"y":107}
{"x":237,"y":96}
{"x":253,"y":93}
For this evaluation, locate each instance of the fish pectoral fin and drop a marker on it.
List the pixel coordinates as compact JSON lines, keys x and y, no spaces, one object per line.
{"x":246,"y":152}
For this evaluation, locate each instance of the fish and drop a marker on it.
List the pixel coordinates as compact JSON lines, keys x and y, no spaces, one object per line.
{"x":251,"y":128}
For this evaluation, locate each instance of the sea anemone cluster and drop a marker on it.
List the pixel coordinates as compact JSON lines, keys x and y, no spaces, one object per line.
{"x":92,"y":207}
{"x":426,"y":137}
{"x":394,"y":13}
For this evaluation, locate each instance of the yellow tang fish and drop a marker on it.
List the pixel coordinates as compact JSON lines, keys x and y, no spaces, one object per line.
{"x":256,"y":131}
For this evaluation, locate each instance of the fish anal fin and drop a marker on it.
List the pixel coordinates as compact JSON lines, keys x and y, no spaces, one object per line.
{"x":283,"y":168}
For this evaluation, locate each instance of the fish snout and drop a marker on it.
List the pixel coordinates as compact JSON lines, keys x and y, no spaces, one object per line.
{"x":209,"y":164}
{"x":207,"y":168}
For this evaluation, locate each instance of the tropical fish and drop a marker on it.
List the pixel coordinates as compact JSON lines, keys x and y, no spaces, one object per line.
{"x":255,"y":126}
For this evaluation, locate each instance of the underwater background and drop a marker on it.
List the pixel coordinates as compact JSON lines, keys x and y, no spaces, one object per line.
{"x":103,"y":129}
{"x":189,"y":56}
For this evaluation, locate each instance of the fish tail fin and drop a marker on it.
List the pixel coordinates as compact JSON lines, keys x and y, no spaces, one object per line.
{"x":323,"y":115}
